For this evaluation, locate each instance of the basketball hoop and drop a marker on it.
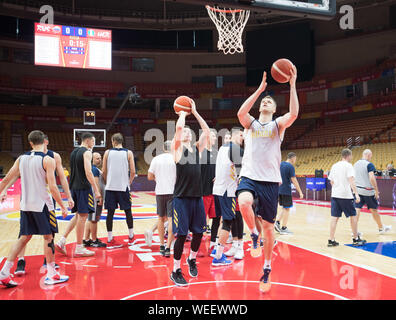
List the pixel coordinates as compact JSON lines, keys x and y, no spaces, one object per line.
{"x":230,"y":24}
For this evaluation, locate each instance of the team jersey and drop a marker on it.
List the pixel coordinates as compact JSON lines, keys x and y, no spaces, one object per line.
{"x":226,"y":174}
{"x":262,"y":153}
{"x":78,"y":178}
{"x":117,"y":178}
{"x":208,"y":170}
{"x":34,"y":192}
{"x":362,"y":179}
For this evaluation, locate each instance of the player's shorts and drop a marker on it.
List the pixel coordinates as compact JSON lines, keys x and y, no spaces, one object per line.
{"x":266,"y":196}
{"x":370,"y":201}
{"x":41,"y":223}
{"x":164,"y":205}
{"x":188,"y":214}
{"x":84,"y":201}
{"x":115,"y":198}
{"x":338,"y":206}
{"x":286,"y":201}
{"x":225,"y":206}
{"x":209,"y":205}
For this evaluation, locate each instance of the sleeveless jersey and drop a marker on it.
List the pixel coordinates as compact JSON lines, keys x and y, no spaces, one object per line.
{"x":262,"y":154}
{"x":188,"y":175}
{"x":362,"y":178}
{"x":226,"y":174}
{"x":117,"y":170}
{"x":208,"y":170}
{"x":34,"y":192}
{"x":78,"y":178}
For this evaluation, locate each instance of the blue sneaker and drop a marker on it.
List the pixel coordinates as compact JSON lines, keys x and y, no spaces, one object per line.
{"x":265,"y":281}
{"x":255,"y":250}
{"x":213,"y":254}
{"x":223,"y":261}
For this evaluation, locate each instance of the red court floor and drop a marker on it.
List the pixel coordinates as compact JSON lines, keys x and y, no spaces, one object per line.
{"x":138,"y":273}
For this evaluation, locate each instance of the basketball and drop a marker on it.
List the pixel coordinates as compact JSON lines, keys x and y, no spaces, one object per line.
{"x":182,"y":103}
{"x":280,"y":70}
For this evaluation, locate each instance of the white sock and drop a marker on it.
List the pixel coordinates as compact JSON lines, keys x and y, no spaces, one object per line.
{"x":130,"y":233}
{"x":176,"y":265}
{"x":254,"y":230}
{"x":267,"y":264}
{"x":62,"y":240}
{"x":79,"y":247}
{"x":21,"y":258}
{"x":240,"y":244}
{"x":193,"y":255}
{"x":219,"y":250}
{"x":110,"y":235}
{"x":51,"y":269}
{"x":212,"y":244}
{"x":5,"y":271}
{"x":235,"y":243}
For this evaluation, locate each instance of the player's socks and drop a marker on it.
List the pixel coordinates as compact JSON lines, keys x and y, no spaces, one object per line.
{"x":109,"y":236}
{"x":219,"y":251}
{"x":267,"y":264}
{"x":131,"y":234}
{"x":193,"y":255}
{"x":5,"y":271}
{"x":176,"y":265}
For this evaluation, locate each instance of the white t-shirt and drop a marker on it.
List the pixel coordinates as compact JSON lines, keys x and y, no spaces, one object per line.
{"x":339,"y":174}
{"x":164,"y":168}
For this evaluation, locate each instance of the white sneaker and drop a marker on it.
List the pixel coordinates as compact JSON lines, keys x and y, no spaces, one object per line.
{"x":240,"y":254}
{"x":60,"y":246}
{"x":385,"y":229}
{"x":285,"y":231}
{"x":83,"y":253}
{"x":231,"y":252}
{"x":57,"y":278}
{"x":148,"y":237}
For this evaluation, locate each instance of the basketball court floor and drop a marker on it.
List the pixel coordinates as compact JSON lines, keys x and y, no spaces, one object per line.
{"x":303,"y":266}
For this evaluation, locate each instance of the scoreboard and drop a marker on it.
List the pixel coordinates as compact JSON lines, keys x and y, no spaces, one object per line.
{"x":73,"y":47}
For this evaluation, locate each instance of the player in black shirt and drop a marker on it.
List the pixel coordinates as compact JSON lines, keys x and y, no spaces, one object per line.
{"x":188,"y":208}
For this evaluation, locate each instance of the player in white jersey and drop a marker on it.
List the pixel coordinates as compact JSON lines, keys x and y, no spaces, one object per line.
{"x":118,"y":172}
{"x":224,"y":188}
{"x":260,"y":173}
{"x":35,"y":169}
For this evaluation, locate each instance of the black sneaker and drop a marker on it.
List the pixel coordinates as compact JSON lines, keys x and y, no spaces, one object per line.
{"x":192,"y":267}
{"x":167,"y":253}
{"x":162,"y":250}
{"x":98,"y":244}
{"x":265,"y":281}
{"x":332,"y":243}
{"x":87,"y":243}
{"x":20,"y":270}
{"x":178,"y":279}
{"x":45,"y":264}
{"x":358,"y":242}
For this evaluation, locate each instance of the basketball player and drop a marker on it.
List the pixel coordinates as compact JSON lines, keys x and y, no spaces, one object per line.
{"x":208,"y":172}
{"x":260,"y":173}
{"x":35,"y":169}
{"x":65,"y":185}
{"x":342,"y":179}
{"x":188,"y":207}
{"x":84,"y":192}
{"x":118,"y":172}
{"x":288,"y":174}
{"x":163,"y":171}
{"x":227,"y":138}
{"x":225,"y":185}
{"x":367,"y":188}
{"x":91,"y":228}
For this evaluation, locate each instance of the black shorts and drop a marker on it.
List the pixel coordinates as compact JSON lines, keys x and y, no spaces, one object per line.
{"x":115,"y":198}
{"x":266,"y":194}
{"x":164,"y":205}
{"x":41,"y":223}
{"x":286,"y":201}
{"x":83,"y":201}
{"x":370,"y":201}
{"x":338,"y":206}
{"x":188,"y":215}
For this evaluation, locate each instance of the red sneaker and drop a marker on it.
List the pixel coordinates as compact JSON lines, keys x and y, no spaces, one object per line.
{"x":113,"y":244}
{"x":8,"y":282}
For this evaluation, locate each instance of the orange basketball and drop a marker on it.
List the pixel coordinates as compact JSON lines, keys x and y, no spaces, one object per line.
{"x":182,"y":103}
{"x":280,"y":70}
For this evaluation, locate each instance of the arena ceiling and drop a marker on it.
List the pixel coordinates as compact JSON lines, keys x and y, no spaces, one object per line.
{"x":143,"y":14}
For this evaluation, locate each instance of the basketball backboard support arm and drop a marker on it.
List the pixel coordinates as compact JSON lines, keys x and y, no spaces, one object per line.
{"x":313,"y":9}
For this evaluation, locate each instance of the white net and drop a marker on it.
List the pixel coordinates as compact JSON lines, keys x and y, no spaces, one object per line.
{"x":230,"y":25}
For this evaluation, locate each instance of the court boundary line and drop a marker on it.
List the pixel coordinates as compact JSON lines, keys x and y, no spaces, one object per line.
{"x":237,"y":281}
{"x":368,"y":268}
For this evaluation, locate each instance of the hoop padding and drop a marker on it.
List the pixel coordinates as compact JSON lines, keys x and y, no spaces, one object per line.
{"x":230,"y":25}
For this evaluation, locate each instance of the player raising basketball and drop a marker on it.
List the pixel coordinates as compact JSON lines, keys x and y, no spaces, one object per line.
{"x":188,"y":207}
{"x":260,"y":173}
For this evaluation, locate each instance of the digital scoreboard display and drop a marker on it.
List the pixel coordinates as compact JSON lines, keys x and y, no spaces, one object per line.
{"x":72,"y":47}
